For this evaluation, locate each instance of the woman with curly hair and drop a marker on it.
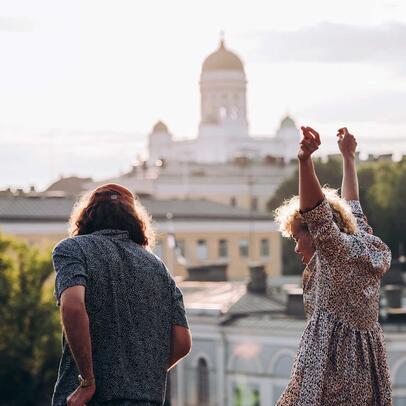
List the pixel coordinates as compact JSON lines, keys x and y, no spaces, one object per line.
{"x":124,"y":323}
{"x":341,"y":358}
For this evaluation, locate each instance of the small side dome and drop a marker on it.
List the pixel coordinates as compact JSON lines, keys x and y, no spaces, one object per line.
{"x":160,"y":127}
{"x":222,"y":59}
{"x":288,"y":122}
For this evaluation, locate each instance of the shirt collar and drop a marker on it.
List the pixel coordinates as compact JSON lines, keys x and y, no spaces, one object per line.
{"x":113,"y":233}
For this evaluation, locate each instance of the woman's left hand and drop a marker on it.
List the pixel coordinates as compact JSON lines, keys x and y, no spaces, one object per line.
{"x":309,"y":143}
{"x":346,"y":142}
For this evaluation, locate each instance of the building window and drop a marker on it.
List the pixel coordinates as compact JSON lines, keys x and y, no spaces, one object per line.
{"x":264,"y":248}
{"x":180,"y":248}
{"x":223,"y":248}
{"x":234,"y":113}
{"x":202,"y":253}
{"x":202,"y":383}
{"x":254,"y":203}
{"x":233,"y":201}
{"x":223,"y":112}
{"x":244,"y":247}
{"x":246,"y":395}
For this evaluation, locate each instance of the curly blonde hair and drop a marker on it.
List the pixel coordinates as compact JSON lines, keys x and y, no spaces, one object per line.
{"x":289,"y":211}
{"x":112,"y":206}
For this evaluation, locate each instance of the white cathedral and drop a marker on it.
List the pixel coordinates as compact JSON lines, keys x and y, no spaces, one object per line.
{"x":223,"y":133}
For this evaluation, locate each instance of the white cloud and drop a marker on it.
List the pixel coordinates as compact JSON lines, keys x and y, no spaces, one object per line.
{"x":328,"y":42}
{"x":9,"y":24}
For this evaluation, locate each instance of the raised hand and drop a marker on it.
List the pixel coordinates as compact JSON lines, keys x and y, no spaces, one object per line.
{"x":309,"y":143}
{"x":346,"y":143}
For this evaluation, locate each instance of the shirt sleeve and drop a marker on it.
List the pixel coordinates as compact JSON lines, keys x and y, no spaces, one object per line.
{"x":178,"y":307}
{"x":70,"y":266}
{"x":362,"y":220}
{"x":365,"y":251}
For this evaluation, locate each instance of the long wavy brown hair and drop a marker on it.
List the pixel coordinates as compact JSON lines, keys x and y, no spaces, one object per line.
{"x":112,"y":206}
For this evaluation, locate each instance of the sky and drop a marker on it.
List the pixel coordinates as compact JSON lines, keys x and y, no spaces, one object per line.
{"x":83,"y":82}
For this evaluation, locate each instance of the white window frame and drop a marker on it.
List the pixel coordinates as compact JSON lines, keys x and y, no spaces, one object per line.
{"x":200,"y":247}
{"x":269,"y":248}
{"x":226,"y":248}
{"x":245,"y":246}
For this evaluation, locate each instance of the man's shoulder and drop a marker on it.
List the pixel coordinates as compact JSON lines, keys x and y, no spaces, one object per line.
{"x":64,"y":244}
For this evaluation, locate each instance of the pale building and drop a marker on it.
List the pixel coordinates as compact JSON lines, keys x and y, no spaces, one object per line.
{"x":244,"y":344}
{"x":223,"y":132}
{"x":243,"y":183}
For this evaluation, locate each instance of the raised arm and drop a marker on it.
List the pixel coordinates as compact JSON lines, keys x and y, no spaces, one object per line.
{"x":348,"y":144}
{"x":310,"y":192}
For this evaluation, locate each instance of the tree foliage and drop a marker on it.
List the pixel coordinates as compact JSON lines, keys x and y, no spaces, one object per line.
{"x":382,"y":195}
{"x":29,"y":327}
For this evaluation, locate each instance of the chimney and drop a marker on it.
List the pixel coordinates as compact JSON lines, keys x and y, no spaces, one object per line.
{"x":393,"y":295}
{"x":394,"y":276}
{"x":209,"y":272}
{"x":257,"y":282}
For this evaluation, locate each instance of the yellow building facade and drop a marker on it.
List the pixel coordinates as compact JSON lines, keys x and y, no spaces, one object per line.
{"x":189,"y":233}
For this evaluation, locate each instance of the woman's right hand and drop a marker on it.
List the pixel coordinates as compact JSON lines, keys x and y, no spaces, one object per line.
{"x":309,"y":143}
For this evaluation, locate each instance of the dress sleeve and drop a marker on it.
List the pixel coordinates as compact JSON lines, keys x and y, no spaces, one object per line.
{"x":365,"y":251}
{"x":329,"y":241}
{"x":70,"y":266}
{"x":362,"y":220}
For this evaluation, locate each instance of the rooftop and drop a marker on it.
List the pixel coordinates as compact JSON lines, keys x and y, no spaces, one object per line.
{"x":48,"y":209}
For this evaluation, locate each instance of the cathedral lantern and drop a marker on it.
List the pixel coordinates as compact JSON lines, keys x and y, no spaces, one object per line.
{"x":223,"y":94}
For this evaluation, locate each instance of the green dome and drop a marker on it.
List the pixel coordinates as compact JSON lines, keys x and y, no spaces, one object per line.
{"x":160,"y":127}
{"x":287,"y":122}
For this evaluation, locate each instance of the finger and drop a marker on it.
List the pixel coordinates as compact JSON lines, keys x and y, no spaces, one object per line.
{"x":314,"y":133}
{"x":308,"y":143}
{"x":308,"y":136}
{"x":309,"y":147}
{"x":306,"y":132}
{"x":310,"y":140}
{"x":305,"y":129}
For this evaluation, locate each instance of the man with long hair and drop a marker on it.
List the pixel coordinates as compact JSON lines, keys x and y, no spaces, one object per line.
{"x":124,"y":323}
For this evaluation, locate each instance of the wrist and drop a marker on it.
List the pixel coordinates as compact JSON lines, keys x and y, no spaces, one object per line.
{"x":86,"y":382}
{"x":349,"y":157}
{"x":305,"y":160}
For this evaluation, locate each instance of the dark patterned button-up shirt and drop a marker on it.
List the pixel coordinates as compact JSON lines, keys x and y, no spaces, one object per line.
{"x":132,"y":301}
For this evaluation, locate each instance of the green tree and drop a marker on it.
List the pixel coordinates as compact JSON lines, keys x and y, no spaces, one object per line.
{"x":29,"y":327}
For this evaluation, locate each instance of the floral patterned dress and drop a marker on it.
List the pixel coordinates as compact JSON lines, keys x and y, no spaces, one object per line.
{"x":341,"y":358}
